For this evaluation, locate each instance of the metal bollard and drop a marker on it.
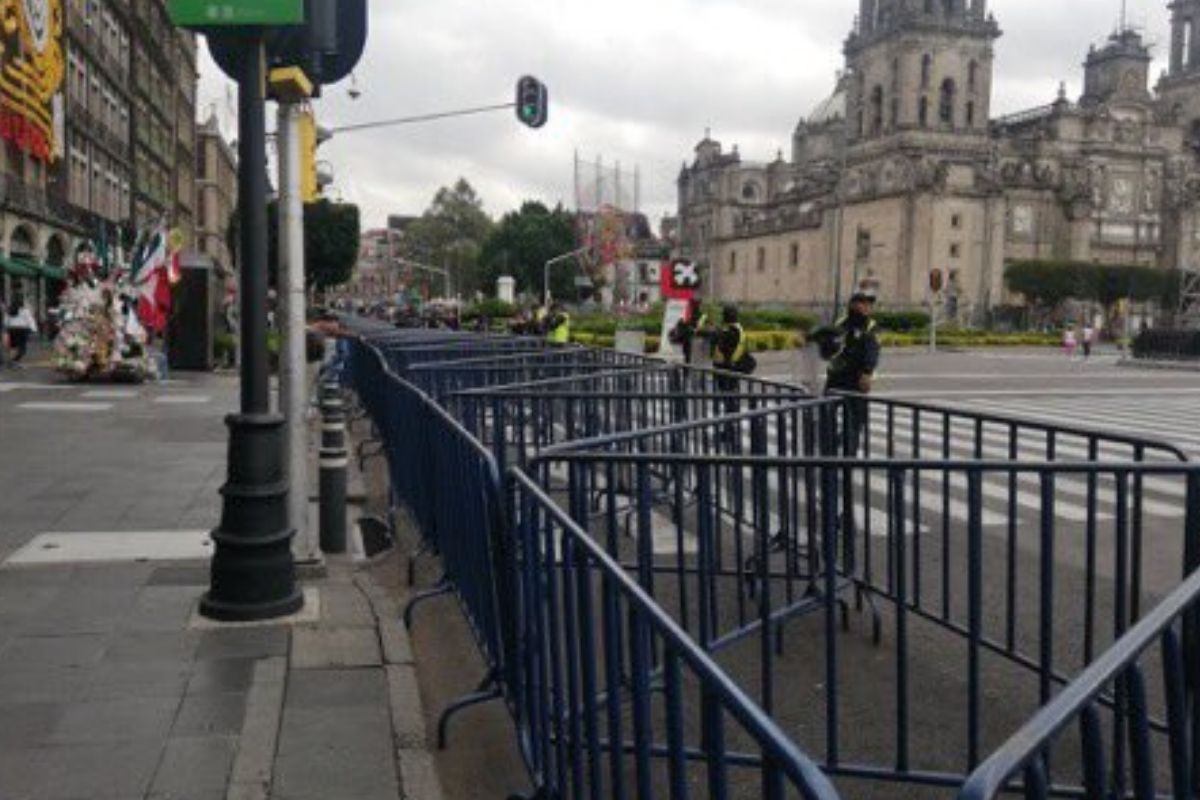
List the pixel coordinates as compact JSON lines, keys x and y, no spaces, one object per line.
{"x":333,"y":463}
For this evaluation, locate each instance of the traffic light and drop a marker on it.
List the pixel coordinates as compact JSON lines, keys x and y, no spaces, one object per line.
{"x":533,"y":102}
{"x":311,"y":137}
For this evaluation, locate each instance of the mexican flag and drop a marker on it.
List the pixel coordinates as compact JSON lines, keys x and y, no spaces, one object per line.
{"x":155,"y":271}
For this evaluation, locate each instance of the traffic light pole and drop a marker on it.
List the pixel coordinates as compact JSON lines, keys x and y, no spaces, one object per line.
{"x":253,"y":574}
{"x":293,"y":369}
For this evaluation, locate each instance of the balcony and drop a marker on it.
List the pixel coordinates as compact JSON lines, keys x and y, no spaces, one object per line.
{"x":36,"y":202}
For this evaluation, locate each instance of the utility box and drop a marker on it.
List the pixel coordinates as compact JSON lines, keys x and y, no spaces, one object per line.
{"x":192,"y":328}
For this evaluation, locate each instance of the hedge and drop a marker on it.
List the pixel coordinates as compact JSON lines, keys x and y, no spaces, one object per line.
{"x":1167,"y":344}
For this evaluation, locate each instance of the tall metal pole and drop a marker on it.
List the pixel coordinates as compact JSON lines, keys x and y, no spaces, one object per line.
{"x":293,"y":372}
{"x":253,"y":574}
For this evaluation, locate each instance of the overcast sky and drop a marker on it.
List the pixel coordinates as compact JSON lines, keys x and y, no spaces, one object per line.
{"x":635,"y":81}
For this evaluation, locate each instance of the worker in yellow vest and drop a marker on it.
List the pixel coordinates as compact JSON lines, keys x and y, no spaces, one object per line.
{"x":731,"y":353}
{"x":558,"y":326}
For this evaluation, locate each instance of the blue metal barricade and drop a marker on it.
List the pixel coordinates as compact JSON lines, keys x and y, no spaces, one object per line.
{"x":729,"y":526}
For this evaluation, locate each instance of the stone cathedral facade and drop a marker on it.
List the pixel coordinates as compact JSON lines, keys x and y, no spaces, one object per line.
{"x":903,"y":170}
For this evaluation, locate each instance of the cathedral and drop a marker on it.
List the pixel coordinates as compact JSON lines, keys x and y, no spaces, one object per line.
{"x":903,"y":171}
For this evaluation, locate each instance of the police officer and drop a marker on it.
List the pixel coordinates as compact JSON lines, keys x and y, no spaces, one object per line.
{"x":558,"y":326}
{"x":853,"y":363}
{"x":687,"y":329}
{"x":731,"y":354}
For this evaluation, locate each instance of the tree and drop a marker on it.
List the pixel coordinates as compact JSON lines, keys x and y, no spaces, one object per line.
{"x":523,"y":242}
{"x":450,"y":233}
{"x":331,"y":242}
{"x":1045,"y":284}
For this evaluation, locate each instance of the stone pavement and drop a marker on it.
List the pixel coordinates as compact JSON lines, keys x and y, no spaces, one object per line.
{"x":111,"y":687}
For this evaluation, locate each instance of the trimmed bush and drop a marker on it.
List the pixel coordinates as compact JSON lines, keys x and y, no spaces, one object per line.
{"x":901,"y":321}
{"x":1167,"y":344}
{"x":492,"y":309}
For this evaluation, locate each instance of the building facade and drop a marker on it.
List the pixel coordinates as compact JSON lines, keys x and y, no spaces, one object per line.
{"x":216,"y":194}
{"x":903,"y":170}
{"x":102,"y":137}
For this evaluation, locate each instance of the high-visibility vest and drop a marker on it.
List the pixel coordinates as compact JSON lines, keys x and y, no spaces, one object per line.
{"x":739,"y":352}
{"x":560,"y":334}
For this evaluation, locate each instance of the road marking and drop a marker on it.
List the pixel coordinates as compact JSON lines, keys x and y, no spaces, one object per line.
{"x":51,"y":387}
{"x":90,"y":547}
{"x":66,"y":407}
{"x":110,"y":394}
{"x":933,"y":394}
{"x":183,"y":399}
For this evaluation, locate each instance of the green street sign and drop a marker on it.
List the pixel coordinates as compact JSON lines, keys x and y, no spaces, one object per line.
{"x":230,"y":13}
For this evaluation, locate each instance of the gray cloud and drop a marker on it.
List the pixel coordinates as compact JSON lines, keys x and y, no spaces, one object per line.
{"x":631,"y":80}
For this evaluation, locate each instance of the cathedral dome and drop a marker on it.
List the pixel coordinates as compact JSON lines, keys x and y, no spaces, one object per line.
{"x":830,"y":109}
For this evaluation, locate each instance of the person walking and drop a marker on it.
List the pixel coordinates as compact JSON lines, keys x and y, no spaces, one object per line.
{"x":1089,"y":334}
{"x":1070,"y":342}
{"x":20,"y":324}
{"x":854,"y":358}
{"x":687,"y":329}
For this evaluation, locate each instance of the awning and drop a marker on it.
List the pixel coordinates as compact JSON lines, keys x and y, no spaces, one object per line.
{"x":18,"y":268}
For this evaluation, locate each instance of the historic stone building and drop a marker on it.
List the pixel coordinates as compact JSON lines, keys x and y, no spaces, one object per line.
{"x":903,"y":170}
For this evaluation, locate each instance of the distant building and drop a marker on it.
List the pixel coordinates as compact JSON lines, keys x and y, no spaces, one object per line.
{"x":216,"y":194}
{"x":903,"y":170}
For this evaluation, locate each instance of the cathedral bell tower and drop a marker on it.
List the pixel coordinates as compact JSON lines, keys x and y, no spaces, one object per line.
{"x":1179,"y":89}
{"x":920,"y":67}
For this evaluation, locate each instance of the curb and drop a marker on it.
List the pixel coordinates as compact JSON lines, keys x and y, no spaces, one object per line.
{"x":415,"y":764}
{"x":250,"y":778}
{"x":1175,"y":366}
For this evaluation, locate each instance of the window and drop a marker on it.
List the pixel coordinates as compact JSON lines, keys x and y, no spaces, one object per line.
{"x":956,"y":221}
{"x":749,"y":192}
{"x":877,"y":111}
{"x":895,"y":74}
{"x":973,"y":76}
{"x":762,"y":259}
{"x":926,"y":70}
{"x":955,"y":250}
{"x":862,"y":244}
{"x":923,"y":112}
{"x":946,"y":102}
{"x":733,"y":261}
{"x":894,"y":120}
{"x":971,"y":114}
{"x":795,"y":256}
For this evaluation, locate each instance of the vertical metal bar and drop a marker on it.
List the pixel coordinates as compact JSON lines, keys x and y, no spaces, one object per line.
{"x":1135,"y":583}
{"x":916,"y":510}
{"x":705,"y":533}
{"x":1010,"y":605}
{"x":897,"y":481}
{"x":1094,"y":775}
{"x":1046,"y":600}
{"x":1120,"y":616}
{"x":591,"y":721}
{"x":1035,"y":781}
{"x":1191,"y":622}
{"x":613,"y":658}
{"x":974,"y":609}
{"x":713,"y":736}
{"x":677,"y":765}
{"x":947,"y":430}
{"x":1175,"y":691}
{"x":642,"y":732}
{"x":575,"y":701}
{"x":1139,"y":735}
{"x":1089,"y":597}
{"x":829,"y":550}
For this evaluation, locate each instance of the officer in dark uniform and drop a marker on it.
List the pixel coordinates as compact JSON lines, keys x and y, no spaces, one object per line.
{"x":853,"y":363}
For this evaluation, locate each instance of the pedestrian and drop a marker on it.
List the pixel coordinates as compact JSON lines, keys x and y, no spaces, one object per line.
{"x":854,"y":353}
{"x":685,"y":331}
{"x":20,"y":325}
{"x":731,"y":355}
{"x":558,"y":326}
{"x":1070,"y":342}
{"x":1089,"y":334}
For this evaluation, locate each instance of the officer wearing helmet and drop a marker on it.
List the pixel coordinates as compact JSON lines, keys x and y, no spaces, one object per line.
{"x":852,"y":347}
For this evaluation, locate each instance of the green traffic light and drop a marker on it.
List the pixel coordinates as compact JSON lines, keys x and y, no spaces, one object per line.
{"x":528,"y":112}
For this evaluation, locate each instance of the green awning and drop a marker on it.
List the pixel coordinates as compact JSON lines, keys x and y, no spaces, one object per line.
{"x":18,"y":268}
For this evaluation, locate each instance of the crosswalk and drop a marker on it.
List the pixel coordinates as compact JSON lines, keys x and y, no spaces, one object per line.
{"x":67,"y":398}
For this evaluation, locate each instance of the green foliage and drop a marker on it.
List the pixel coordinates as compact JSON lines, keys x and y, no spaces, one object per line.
{"x":1046,"y":283}
{"x":331,"y":242}
{"x":451,"y":232}
{"x":522,"y":243}
{"x":492,"y":309}
{"x":901,"y":321}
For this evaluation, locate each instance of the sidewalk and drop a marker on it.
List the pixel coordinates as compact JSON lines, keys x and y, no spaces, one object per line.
{"x":112,"y":687}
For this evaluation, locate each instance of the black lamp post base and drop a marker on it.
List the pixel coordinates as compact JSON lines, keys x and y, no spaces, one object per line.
{"x":253,"y":572}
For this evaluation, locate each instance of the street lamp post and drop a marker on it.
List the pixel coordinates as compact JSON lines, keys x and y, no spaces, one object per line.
{"x":841,"y":202}
{"x":253,"y":573}
{"x":552,"y":262}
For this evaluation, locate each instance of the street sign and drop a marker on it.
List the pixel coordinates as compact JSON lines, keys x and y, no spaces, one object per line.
{"x":685,"y":275}
{"x":223,"y":13}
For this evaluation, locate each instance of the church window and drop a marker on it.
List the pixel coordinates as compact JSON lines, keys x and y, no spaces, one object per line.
{"x":923,"y":112}
{"x":762,"y":259}
{"x":733,"y":261}
{"x":895,"y":118}
{"x":895,"y":74}
{"x":926,"y":70}
{"x":971,"y":114}
{"x":877,"y":110}
{"x":956,"y":221}
{"x":946,"y":102}
{"x":973,"y":76}
{"x":955,"y":250}
{"x":861,"y":130}
{"x":795,"y":256}
{"x":749,"y":192}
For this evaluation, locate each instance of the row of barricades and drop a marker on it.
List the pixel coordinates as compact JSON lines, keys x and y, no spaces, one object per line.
{"x":665,"y":569}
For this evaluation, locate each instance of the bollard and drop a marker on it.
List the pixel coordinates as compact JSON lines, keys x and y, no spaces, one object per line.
{"x":333,"y":462}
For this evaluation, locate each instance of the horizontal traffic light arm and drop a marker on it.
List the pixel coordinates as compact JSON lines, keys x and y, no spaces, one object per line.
{"x":388,"y":123}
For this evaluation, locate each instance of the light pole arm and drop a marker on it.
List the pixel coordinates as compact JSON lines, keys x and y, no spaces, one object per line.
{"x":445,"y":273}
{"x":550,"y":263}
